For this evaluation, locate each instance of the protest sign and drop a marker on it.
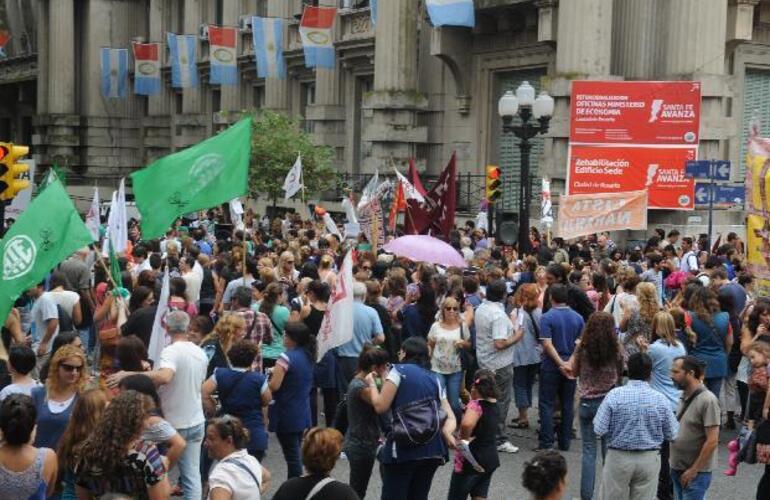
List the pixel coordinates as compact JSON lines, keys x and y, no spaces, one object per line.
{"x":580,"y":215}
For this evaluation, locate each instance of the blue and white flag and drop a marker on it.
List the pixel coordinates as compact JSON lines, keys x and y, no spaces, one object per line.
{"x":268,"y":47}
{"x":114,"y":72}
{"x":184,"y":70}
{"x":146,"y":68}
{"x":451,"y":12}
{"x":316,"y":31}
{"x":223,"y":45}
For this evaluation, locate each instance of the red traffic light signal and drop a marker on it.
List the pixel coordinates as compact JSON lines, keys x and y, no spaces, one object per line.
{"x":494,"y":182}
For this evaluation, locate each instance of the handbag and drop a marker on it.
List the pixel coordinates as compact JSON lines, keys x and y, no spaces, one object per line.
{"x":762,"y":433}
{"x":467,"y":355}
{"x":747,"y":451}
{"x":418,"y":422}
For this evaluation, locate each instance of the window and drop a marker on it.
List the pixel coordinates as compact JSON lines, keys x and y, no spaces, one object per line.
{"x":307,"y":98}
{"x":258,"y":97}
{"x":216,"y":100}
{"x":178,"y":102}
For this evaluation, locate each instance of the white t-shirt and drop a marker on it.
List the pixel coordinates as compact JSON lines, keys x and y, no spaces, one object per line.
{"x":43,"y":310}
{"x":181,"y":398}
{"x":193,"y":291}
{"x":65,"y":299}
{"x":234,"y":478}
{"x":18,"y":389}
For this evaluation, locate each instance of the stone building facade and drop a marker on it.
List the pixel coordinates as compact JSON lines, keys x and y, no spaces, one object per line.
{"x":401,"y":88}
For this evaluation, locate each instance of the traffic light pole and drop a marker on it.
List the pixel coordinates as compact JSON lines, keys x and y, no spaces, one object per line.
{"x":2,"y":218}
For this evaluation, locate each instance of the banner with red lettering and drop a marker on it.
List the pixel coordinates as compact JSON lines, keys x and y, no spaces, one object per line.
{"x":436,"y":215}
{"x":337,"y":325}
{"x":580,"y":215}
{"x":618,"y":169}
{"x":635,"y":112}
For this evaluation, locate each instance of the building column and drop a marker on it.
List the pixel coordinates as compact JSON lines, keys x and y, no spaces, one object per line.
{"x":231,"y":95}
{"x":277,"y":90}
{"x":195,"y":122}
{"x":327,"y":114}
{"x":634,"y":41}
{"x":396,"y":99}
{"x":160,"y":22}
{"x":584,"y":37}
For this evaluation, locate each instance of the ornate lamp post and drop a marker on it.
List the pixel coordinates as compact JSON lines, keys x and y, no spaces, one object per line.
{"x":524,"y":105}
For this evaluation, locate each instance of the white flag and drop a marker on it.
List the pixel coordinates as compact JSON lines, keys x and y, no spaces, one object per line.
{"x":331,"y":227}
{"x":159,"y":338}
{"x":410,"y":192}
{"x":369,"y":190}
{"x":337,"y":326}
{"x":350,"y":211}
{"x":117,"y":222}
{"x":546,"y":207}
{"x":92,"y":218}
{"x":293,"y":182}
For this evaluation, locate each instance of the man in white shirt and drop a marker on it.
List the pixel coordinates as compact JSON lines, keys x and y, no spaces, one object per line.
{"x":191,"y":278}
{"x":180,"y":375}
{"x":689,"y":261}
{"x":141,"y":261}
{"x":45,"y":320}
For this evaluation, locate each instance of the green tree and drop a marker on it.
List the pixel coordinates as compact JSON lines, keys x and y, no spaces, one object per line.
{"x":275,"y":143}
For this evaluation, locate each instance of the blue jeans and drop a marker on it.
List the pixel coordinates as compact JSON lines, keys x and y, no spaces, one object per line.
{"x":290,"y":445}
{"x":408,"y":480}
{"x":190,"y":462}
{"x":714,"y":384}
{"x":451,"y":383}
{"x":696,"y":489}
{"x":588,"y":409}
{"x":523,"y":380}
{"x":552,"y":385}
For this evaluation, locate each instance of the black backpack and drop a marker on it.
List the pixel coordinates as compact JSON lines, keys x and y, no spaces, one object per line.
{"x":65,"y":321}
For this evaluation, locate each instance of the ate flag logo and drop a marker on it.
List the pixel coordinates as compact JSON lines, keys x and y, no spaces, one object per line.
{"x":19,"y":259}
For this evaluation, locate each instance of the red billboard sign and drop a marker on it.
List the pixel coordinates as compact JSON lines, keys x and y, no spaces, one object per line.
{"x":635,"y":112}
{"x":616,"y":169}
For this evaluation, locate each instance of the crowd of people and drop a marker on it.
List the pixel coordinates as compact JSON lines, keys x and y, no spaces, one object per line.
{"x":650,"y":351}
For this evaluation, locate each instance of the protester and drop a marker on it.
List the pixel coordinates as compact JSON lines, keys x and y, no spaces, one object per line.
{"x":479,"y":426}
{"x":273,"y":306}
{"x":236,"y":474}
{"x":290,"y":382}
{"x":363,"y":432}
{"x":560,"y":328}
{"x":598,"y":364}
{"x":243,"y":393}
{"x":713,"y":337}
{"x":693,"y":456}
{"x":527,"y":353}
{"x":407,"y":469}
{"x":366,"y":328}
{"x":495,"y":337}
{"x":112,"y":460}
{"x":446,"y":338}
{"x":228,"y":330}
{"x":636,"y":420}
{"x":21,"y":362}
{"x":320,"y":451}
{"x":545,"y":476}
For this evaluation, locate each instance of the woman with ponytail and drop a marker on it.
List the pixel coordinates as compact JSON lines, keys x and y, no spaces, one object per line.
{"x":25,"y":471}
{"x":290,"y":382}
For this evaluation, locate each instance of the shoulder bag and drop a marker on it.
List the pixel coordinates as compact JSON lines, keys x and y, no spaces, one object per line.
{"x":418,"y":422}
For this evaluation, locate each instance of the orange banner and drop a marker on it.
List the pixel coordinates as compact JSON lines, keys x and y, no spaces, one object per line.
{"x":580,"y":215}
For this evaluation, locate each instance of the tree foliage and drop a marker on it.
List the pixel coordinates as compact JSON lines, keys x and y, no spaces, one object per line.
{"x":276,"y":141}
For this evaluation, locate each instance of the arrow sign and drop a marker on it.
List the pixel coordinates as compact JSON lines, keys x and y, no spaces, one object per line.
{"x":722,"y":170}
{"x":725,"y":196}
{"x":698,"y":169}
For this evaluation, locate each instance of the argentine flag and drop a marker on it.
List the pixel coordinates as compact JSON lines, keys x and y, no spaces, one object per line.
{"x":184,"y":70}
{"x":451,"y":12}
{"x":268,"y":47}
{"x":373,"y":12}
{"x":114,"y":72}
{"x":317,"y":36}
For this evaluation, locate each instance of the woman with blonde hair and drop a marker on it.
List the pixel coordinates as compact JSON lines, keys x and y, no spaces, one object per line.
{"x":114,"y":458}
{"x":647,"y":295}
{"x":447,"y":336}
{"x":286,"y":271}
{"x":67,"y":376}
{"x":326,"y":271}
{"x":228,"y":330}
{"x":85,"y":416}
{"x":638,"y":312}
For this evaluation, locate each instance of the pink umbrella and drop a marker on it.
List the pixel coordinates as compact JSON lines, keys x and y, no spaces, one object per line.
{"x":421,"y":248}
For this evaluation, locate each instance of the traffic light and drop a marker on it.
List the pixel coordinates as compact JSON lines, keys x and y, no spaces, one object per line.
{"x":494,"y":183}
{"x":10,"y":170}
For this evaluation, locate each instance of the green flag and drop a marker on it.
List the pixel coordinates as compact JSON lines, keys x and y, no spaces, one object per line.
{"x":199,"y":177}
{"x":46,"y":233}
{"x":117,"y":276}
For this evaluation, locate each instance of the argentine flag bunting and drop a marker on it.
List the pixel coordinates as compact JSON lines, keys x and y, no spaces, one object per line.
{"x":451,"y":12}
{"x":223,"y":56}
{"x":114,"y":72}
{"x":373,"y":12}
{"x":146,"y":68}
{"x":184,"y":70}
{"x":317,"y":36}
{"x":267,"y":33}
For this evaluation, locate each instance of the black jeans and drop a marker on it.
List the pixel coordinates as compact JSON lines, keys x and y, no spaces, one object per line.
{"x":290,"y":445}
{"x":408,"y":480}
{"x":360,"y":473}
{"x":763,"y":488}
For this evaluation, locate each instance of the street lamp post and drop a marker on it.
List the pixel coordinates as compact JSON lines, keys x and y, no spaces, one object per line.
{"x":524,"y":104}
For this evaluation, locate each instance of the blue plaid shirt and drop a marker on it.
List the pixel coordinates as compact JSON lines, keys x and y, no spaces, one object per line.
{"x":635,"y":417}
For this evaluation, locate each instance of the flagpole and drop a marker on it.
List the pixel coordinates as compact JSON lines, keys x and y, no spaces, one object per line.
{"x":244,"y":256}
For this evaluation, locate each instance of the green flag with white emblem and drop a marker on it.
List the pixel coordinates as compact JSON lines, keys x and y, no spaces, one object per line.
{"x":45,"y":234}
{"x":202,"y":176}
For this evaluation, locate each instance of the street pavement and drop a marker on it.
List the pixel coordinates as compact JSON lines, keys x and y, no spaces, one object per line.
{"x":506,"y":482}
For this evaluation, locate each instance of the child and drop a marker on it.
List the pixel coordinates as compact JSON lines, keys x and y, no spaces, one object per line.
{"x":21,"y":361}
{"x":759,"y":397}
{"x":479,"y":426}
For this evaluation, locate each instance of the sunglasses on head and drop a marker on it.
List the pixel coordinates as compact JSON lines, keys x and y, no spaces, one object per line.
{"x":71,"y":368}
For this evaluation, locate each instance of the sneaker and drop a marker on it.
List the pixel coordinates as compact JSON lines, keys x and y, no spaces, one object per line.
{"x":507,"y":447}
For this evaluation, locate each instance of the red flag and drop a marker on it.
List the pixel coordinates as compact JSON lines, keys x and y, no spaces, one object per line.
{"x":413,"y":205}
{"x":399,"y":205}
{"x":437,"y":215}
{"x":414,"y":178}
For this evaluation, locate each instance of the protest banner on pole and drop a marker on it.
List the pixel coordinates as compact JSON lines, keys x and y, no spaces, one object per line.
{"x":580,"y":215}
{"x":758,"y":208}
